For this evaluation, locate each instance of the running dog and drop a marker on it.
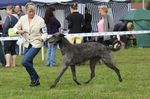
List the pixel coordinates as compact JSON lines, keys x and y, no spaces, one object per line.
{"x":73,"y":54}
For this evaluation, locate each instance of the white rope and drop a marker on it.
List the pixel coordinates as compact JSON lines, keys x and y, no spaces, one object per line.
{"x":9,"y":38}
{"x":118,"y":33}
{"x":108,"y":33}
{"x":81,"y":35}
{"x":87,"y":34}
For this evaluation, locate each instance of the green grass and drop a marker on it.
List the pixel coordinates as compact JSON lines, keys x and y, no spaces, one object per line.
{"x":140,"y":1}
{"x":133,"y":63}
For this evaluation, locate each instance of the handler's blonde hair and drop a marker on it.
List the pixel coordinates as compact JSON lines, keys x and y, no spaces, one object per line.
{"x":103,"y":7}
{"x":30,"y":7}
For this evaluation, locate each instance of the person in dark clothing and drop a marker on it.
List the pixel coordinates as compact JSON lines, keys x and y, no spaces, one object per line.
{"x":53,"y":26}
{"x":124,"y":26}
{"x":2,"y":56}
{"x":87,"y":27}
{"x":1,"y":29}
{"x":75,"y":22}
{"x":9,"y":46}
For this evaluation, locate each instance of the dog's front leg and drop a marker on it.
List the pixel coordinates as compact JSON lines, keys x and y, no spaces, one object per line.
{"x":59,"y":76}
{"x":92,"y":68}
{"x":73,"y":69}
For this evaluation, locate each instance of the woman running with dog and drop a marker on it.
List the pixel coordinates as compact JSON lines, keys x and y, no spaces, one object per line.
{"x":33,"y":30}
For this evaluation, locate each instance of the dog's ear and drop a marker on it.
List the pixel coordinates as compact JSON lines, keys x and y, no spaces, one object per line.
{"x":61,"y":35}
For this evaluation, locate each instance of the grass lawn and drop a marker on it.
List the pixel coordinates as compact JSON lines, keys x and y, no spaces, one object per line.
{"x":133,"y":63}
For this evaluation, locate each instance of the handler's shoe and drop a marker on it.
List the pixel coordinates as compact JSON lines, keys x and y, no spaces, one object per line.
{"x":35,"y":82}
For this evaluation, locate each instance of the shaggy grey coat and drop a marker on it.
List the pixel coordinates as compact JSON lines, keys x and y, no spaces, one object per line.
{"x":78,"y":53}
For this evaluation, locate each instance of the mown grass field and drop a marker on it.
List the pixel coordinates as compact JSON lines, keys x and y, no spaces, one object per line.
{"x":133,"y":63}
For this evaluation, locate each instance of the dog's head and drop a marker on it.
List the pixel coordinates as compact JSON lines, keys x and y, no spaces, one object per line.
{"x":55,"y":38}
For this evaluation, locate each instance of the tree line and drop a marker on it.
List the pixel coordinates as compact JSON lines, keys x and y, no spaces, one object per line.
{"x":140,"y":1}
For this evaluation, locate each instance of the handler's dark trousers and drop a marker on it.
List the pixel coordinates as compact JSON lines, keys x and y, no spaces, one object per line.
{"x":2,"y":56}
{"x":27,"y":62}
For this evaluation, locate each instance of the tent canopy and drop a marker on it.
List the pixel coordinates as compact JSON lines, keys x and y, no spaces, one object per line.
{"x":138,"y":14}
{"x":50,"y":1}
{"x":4,"y":3}
{"x":59,"y":1}
{"x":80,"y":1}
{"x":141,"y":21}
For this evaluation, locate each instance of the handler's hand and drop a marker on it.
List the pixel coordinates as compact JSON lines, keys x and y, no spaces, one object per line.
{"x":20,"y":32}
{"x":40,"y":39}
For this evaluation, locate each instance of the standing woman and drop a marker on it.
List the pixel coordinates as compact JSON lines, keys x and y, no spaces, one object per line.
{"x":53,"y":26}
{"x":87,"y":28}
{"x":9,"y":46}
{"x":75,"y":23}
{"x":105,"y":24}
{"x":33,"y":30}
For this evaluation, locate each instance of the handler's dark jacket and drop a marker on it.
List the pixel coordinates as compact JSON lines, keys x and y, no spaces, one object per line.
{"x":75,"y":22}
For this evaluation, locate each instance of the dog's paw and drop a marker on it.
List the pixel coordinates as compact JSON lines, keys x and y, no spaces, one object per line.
{"x":78,"y":83}
{"x":52,"y":86}
{"x":120,"y":80}
{"x":86,"y":82}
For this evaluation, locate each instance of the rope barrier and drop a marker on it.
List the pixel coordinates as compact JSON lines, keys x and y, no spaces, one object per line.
{"x":83,"y":35}
{"x":88,"y":34}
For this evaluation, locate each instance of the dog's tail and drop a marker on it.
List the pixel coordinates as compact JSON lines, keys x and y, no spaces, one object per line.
{"x":116,"y":46}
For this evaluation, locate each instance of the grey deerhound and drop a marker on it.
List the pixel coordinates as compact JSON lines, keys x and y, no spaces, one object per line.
{"x":78,"y":53}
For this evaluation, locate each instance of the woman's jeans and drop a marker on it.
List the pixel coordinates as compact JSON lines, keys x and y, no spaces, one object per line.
{"x":27,"y":62}
{"x":2,"y":56}
{"x":50,"y":55}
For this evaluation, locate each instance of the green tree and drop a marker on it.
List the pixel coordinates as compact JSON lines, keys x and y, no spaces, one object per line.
{"x":140,"y":1}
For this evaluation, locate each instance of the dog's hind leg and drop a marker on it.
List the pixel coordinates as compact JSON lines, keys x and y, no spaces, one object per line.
{"x":58,"y":77}
{"x":109,"y":63}
{"x":92,"y":68}
{"x":113,"y":67}
{"x":73,"y":69}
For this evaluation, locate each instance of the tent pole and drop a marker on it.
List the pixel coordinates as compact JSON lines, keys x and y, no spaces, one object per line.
{"x":81,"y":8}
{"x":143,"y":4}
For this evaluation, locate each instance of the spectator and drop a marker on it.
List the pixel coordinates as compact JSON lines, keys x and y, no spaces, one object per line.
{"x":33,"y":30}
{"x":9,"y":46}
{"x":105,"y":24}
{"x":53,"y":26}
{"x":87,"y":27}
{"x":19,"y":12}
{"x":124,"y":26}
{"x":75,"y":22}
{"x":2,"y":56}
